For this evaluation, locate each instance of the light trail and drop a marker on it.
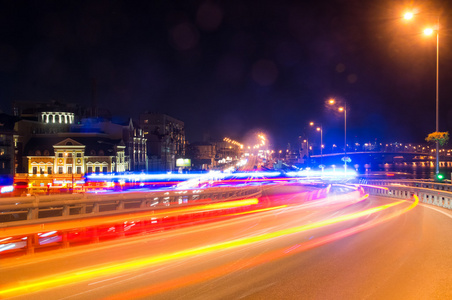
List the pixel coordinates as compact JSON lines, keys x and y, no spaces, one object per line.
{"x":253,"y":261}
{"x":116,"y":269}
{"x":83,"y":223}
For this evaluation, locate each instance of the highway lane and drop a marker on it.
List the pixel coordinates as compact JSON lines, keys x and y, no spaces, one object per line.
{"x":311,"y":252}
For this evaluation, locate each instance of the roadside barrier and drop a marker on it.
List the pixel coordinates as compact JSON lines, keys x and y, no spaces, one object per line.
{"x":70,"y":206}
{"x":64,"y":220}
{"x":433,"y":193}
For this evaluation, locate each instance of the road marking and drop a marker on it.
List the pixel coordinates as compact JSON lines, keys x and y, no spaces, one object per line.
{"x":438,"y":210}
{"x":106,"y":280}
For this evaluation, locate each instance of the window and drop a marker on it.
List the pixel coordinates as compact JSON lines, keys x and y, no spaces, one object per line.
{"x":35,"y":170}
{"x":90,"y":170}
{"x":49,"y":170}
{"x":60,"y":170}
{"x":41,"y":170}
{"x":79,"y":170}
{"x":69,"y":170}
{"x":79,"y":155}
{"x":97,"y":169}
{"x":60,"y":154}
{"x":104,"y":169}
{"x":69,"y":154}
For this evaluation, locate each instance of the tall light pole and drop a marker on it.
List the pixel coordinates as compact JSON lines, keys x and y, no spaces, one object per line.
{"x":437,"y":96}
{"x":430,"y":31}
{"x":321,"y":145}
{"x":344,"y":110}
{"x":320,"y":129}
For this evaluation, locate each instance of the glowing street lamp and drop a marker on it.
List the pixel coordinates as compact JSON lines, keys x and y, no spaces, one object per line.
{"x":408,"y":15}
{"x":428,"y":31}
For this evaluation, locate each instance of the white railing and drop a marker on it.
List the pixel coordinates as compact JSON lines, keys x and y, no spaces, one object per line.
{"x":434,"y":193}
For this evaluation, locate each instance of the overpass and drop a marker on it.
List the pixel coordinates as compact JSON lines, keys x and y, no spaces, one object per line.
{"x":378,"y":158}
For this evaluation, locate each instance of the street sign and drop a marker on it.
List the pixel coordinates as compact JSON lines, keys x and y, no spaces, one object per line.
{"x":346,"y":159}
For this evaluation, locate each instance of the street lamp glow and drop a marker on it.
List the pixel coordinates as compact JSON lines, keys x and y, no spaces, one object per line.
{"x":428,"y":31}
{"x":311,"y":123}
{"x":408,"y":15}
{"x":331,"y":101}
{"x":318,"y":128}
{"x":341,"y":109}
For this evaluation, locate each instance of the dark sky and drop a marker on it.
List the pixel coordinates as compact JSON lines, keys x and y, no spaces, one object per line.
{"x":230,"y":67}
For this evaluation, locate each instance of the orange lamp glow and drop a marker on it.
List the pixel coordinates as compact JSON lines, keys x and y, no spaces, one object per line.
{"x":428,"y":31}
{"x":408,"y":15}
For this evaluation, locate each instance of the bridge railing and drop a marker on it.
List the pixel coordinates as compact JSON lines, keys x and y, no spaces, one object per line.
{"x":71,"y":206}
{"x":433,"y":193}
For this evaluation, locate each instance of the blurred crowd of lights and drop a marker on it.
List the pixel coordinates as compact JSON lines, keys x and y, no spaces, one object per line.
{"x":228,"y":140}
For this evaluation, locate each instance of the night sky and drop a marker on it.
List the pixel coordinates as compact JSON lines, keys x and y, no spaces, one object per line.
{"x":227,"y":68}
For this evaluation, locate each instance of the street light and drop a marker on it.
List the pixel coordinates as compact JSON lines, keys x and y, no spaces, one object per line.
{"x":321,"y":145}
{"x":320,"y":129}
{"x":430,"y":31}
{"x":344,"y":110}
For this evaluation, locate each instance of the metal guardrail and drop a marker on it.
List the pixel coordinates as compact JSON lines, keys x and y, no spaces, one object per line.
{"x":76,"y":221}
{"x":39,"y":208}
{"x":429,"y":192}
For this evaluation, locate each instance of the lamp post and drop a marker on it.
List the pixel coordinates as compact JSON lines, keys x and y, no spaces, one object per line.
{"x":430,"y":31}
{"x":321,"y":145}
{"x":427,"y":31}
{"x":344,"y":110}
{"x":320,"y":129}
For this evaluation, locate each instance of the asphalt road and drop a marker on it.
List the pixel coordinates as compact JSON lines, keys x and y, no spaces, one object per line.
{"x":339,"y":248}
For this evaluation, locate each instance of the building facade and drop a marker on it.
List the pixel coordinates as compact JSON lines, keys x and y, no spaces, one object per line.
{"x":165,"y":137}
{"x":136,"y":146}
{"x":54,"y":162}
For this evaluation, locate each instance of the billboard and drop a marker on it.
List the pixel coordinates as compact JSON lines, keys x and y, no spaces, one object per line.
{"x":183,"y":162}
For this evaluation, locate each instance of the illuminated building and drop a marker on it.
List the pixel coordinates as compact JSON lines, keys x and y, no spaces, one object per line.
{"x":227,"y":151}
{"x":165,"y":137}
{"x":61,"y":162}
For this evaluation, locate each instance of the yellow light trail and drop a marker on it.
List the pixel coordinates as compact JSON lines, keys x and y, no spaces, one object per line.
{"x":62,"y":279}
{"x":251,"y":262}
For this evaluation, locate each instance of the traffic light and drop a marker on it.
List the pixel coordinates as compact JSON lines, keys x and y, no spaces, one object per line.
{"x":440,"y":177}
